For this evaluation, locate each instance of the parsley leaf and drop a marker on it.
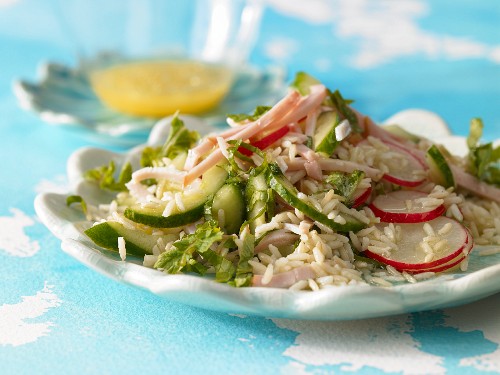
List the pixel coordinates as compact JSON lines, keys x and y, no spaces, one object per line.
{"x":257,"y":113}
{"x":244,"y":271}
{"x":179,"y":140}
{"x":482,"y":158}
{"x":343,"y":108}
{"x":77,"y":199}
{"x":345,"y":184}
{"x":189,"y":250}
{"x":104,"y":176}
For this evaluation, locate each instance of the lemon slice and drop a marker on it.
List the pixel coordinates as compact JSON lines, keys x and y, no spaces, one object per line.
{"x":160,"y":88}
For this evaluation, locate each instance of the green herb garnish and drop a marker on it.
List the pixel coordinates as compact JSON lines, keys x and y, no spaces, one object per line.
{"x":104,"y":176}
{"x":483,"y":159}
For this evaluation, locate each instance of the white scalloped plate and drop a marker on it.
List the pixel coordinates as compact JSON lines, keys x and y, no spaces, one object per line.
{"x":342,"y":303}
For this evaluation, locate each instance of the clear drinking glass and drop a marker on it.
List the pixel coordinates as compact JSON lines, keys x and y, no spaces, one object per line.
{"x":153,"y":57}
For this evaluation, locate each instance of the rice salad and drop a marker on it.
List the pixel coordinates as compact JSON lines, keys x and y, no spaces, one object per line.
{"x":307,"y":194}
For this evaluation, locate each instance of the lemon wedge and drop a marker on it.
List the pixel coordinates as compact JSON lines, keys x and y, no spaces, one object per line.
{"x":160,"y":88}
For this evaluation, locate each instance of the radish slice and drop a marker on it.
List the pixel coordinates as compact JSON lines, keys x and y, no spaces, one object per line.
{"x":409,"y":174}
{"x":267,"y":141}
{"x":451,"y":264}
{"x":404,"y":206}
{"x":411,"y":256}
{"x":362,"y":197}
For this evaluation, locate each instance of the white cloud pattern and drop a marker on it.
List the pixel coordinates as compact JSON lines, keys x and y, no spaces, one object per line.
{"x":383,"y":343}
{"x":385,"y":30}
{"x":13,"y":240}
{"x":15,"y":328}
{"x":481,"y":316}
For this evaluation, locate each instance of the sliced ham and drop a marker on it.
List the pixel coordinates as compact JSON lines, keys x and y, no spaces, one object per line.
{"x":158,"y":173}
{"x":290,"y":109}
{"x":474,"y":185}
{"x":307,"y":153}
{"x":313,"y":170}
{"x":311,"y":120}
{"x":286,"y":279}
{"x":277,"y":238}
{"x":305,"y":105}
{"x":337,"y":165}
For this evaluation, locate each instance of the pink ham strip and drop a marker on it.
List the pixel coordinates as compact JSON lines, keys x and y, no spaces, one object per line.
{"x":307,"y":153}
{"x":208,"y":143}
{"x":278,"y":237}
{"x":474,"y":185}
{"x":304,"y":106}
{"x":313,"y":170}
{"x":311,"y":120}
{"x":290,"y":109}
{"x":197,"y":152}
{"x":337,"y":165}
{"x":286,"y":279}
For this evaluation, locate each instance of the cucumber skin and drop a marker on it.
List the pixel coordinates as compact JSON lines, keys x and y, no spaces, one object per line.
{"x":159,"y":221}
{"x":214,"y":179}
{"x":104,"y":235}
{"x":235,"y":213}
{"x":258,"y":211}
{"x":328,"y":143}
{"x":437,"y":163}
{"x":277,"y":181}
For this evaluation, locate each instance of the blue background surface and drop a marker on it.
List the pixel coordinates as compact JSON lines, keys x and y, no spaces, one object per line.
{"x":95,"y":325}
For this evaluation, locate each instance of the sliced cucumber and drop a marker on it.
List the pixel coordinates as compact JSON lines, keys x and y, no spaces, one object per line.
{"x":137,"y":242}
{"x":229,"y":198}
{"x":289,"y":193}
{"x":259,"y":200}
{"x":398,"y":131}
{"x":439,"y":170}
{"x":324,"y":139}
{"x":193,"y":201}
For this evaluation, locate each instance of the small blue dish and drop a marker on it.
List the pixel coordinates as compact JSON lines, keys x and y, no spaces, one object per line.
{"x":64,"y":96}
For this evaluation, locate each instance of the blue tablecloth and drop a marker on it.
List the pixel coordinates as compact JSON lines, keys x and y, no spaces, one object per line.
{"x":57,"y":316}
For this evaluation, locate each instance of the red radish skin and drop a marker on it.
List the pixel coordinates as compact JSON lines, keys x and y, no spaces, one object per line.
{"x":362,"y":198}
{"x":409,"y":150}
{"x":438,"y":264}
{"x":398,"y":181}
{"x":267,"y":141}
{"x":414,"y":165}
{"x":459,"y":235}
{"x":391,"y":208}
{"x":445,"y":267}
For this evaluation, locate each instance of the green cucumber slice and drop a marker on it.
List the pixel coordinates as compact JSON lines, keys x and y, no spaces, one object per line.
{"x":398,"y":131}
{"x":324,"y":139}
{"x":280,"y":184}
{"x":137,"y":242}
{"x":193,"y":201}
{"x":153,"y":215}
{"x":229,"y":198}
{"x":259,"y":200}
{"x":439,"y":170}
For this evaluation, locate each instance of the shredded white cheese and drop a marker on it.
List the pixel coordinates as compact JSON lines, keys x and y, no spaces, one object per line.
{"x":121,"y":248}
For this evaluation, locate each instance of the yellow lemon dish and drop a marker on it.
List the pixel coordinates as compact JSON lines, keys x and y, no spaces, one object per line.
{"x":160,"y":88}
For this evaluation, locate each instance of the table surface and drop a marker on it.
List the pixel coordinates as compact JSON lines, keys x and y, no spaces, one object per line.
{"x":57,"y":316}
